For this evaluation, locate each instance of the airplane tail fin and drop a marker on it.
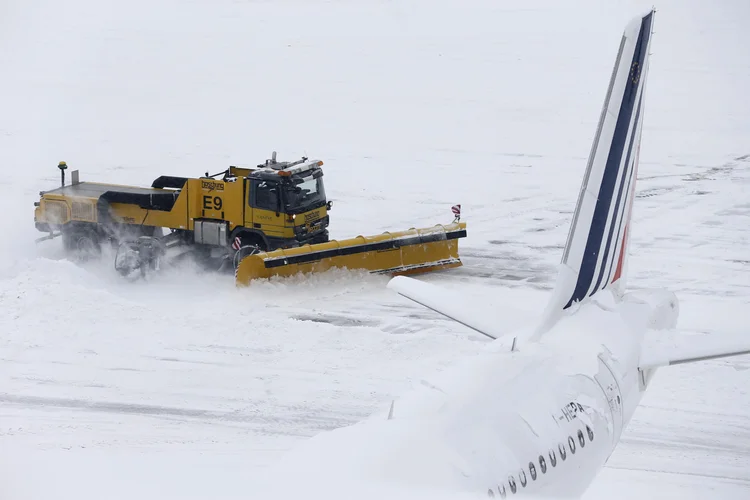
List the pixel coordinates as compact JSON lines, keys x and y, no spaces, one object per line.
{"x":596,"y":250}
{"x":595,"y":254}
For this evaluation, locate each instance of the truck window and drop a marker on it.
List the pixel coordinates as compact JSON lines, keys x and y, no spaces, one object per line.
{"x":266,"y":196}
{"x":304,"y":193}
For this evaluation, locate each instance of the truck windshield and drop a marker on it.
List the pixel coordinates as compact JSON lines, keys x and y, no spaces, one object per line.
{"x":304,"y":194}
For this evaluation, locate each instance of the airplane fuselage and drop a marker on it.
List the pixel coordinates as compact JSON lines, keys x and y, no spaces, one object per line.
{"x":542,"y":420}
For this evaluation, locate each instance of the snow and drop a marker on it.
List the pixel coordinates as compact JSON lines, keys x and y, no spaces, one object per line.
{"x":187,"y":387}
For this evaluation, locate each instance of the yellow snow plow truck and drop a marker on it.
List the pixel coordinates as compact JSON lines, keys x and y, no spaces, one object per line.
{"x":271,"y":220}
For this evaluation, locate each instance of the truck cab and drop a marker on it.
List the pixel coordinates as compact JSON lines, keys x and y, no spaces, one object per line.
{"x":286,"y":204}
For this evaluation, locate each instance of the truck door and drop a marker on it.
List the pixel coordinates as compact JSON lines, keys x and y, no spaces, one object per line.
{"x":265,"y":200}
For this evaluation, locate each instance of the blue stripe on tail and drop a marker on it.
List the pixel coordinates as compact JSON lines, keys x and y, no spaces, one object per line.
{"x":619,"y":205}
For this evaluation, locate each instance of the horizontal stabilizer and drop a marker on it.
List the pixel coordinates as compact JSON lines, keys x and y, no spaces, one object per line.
{"x":693,"y":348}
{"x":450,"y":305}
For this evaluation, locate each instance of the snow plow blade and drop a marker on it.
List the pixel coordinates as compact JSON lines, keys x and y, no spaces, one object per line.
{"x":405,"y":252}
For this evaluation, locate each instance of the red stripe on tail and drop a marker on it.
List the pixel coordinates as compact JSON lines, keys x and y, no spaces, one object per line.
{"x":618,"y":269}
{"x":624,"y":246}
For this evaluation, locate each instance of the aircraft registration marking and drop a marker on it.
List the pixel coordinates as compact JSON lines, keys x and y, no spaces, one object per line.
{"x":569,"y":411}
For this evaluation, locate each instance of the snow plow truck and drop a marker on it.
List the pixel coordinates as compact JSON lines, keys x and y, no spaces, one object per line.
{"x":260,"y":222}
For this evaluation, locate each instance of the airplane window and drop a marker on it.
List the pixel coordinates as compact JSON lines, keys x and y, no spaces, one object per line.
{"x":490,"y":493}
{"x":501,"y":489}
{"x":581,"y":440}
{"x":590,"y":433}
{"x":543,"y":464}
{"x":522,"y":477}
{"x":563,"y":453}
{"x":532,"y":471}
{"x":618,"y":399}
{"x":572,"y":444}
{"x":553,"y":458}
{"x":512,"y":483}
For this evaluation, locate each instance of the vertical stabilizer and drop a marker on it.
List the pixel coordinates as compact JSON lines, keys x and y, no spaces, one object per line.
{"x":596,"y":250}
{"x":595,"y":253}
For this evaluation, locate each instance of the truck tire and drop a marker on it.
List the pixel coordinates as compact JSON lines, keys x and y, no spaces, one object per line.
{"x":82,"y":244}
{"x":250,"y":244}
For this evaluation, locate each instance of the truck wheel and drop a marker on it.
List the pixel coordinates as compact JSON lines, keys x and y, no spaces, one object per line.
{"x":82,"y":245}
{"x":250,"y":244}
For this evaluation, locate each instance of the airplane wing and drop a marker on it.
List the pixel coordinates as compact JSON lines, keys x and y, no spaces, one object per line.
{"x":451,"y":305}
{"x":692,"y":348}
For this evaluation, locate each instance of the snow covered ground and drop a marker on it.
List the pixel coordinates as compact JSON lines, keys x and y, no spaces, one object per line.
{"x":186,"y":387}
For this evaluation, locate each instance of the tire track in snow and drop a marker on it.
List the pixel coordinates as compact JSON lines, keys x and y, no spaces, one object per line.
{"x":305,"y":419}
